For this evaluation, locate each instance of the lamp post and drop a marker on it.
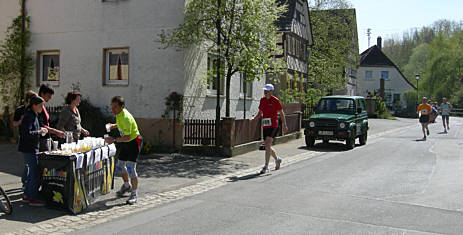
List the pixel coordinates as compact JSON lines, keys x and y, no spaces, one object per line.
{"x":417,"y":77}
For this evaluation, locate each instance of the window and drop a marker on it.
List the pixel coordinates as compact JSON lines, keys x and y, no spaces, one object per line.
{"x":369,"y":75}
{"x":385,"y":75}
{"x":48,"y":69}
{"x":116,"y":66}
{"x":245,"y":87}
{"x":212,"y":75}
{"x":396,"y":98}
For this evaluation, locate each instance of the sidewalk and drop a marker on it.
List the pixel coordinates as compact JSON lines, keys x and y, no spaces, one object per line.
{"x":160,"y":175}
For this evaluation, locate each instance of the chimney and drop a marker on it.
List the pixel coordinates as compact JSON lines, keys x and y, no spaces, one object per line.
{"x":379,"y":43}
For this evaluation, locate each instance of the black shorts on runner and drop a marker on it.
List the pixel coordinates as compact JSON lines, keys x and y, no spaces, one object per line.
{"x":424,"y":119}
{"x":270,"y":132}
{"x":445,"y":117}
{"x":129,"y":151}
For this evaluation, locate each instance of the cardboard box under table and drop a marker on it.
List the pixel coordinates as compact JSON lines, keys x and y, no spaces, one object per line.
{"x":74,"y":181}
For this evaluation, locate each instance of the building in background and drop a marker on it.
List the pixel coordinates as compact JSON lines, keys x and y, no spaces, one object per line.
{"x":374,"y":66}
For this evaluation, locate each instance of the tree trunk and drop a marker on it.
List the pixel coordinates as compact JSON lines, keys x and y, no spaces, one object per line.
{"x":23,"y":54}
{"x":227,"y":95}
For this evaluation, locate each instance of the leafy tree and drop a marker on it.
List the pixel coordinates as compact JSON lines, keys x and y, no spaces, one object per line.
{"x":16,"y":62}
{"x":248,"y":33}
{"x":333,"y":32}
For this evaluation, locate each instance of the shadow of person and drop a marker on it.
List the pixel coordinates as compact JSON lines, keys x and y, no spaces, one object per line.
{"x":419,"y":140}
{"x":443,"y":132}
{"x":247,"y":177}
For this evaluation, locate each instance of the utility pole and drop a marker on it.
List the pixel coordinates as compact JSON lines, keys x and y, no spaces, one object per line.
{"x":217,"y":108}
{"x":369,"y":35}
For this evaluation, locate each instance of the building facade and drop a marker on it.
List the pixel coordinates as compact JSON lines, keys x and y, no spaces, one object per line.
{"x":374,"y":66}
{"x":110,"y":47}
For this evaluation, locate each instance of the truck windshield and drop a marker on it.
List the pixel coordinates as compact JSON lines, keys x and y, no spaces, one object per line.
{"x":336,"y":106}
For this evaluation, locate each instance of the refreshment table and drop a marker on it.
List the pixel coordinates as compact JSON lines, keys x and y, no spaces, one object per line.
{"x":73,"y":181}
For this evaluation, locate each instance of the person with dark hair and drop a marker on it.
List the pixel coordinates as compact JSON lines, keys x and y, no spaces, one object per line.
{"x":128,"y":147}
{"x":21,"y":110}
{"x":17,"y":119}
{"x":46,"y":93}
{"x":69,"y":118}
{"x":445,"y":109}
{"x":424,"y":110}
{"x":30,"y":131}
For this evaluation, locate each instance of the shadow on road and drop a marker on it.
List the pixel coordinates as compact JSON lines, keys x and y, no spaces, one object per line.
{"x":327,"y":147}
{"x":178,"y":165}
{"x":419,"y":140}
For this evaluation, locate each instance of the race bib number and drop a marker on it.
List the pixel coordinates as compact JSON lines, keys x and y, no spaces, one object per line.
{"x":424,"y":112}
{"x":267,"y":122}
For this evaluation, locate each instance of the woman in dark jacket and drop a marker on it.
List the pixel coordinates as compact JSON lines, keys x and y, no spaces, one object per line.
{"x":29,"y":146}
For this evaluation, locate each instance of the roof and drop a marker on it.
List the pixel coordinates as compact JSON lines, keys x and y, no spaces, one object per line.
{"x":284,"y":23}
{"x":373,"y":56}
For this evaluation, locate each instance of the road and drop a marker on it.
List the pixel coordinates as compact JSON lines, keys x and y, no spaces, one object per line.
{"x":393,"y":185}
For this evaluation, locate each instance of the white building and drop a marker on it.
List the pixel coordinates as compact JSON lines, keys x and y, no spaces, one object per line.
{"x":374,"y":65}
{"x":110,"y":48}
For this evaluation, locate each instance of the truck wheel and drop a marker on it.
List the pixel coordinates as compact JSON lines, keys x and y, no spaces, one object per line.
{"x":350,"y":143}
{"x":363,"y":138}
{"x":309,"y":141}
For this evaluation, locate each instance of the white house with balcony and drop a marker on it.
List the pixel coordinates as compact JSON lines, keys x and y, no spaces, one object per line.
{"x":374,"y":66}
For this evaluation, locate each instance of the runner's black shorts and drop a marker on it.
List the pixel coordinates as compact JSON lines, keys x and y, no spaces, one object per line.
{"x":129,"y":151}
{"x":270,"y":132}
{"x":445,"y":117}
{"x":424,"y":119}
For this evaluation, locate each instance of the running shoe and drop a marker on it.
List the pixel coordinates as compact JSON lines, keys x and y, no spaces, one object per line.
{"x":277,"y":164}
{"x":264,"y":169}
{"x":132,"y":199}
{"x":124,"y":190}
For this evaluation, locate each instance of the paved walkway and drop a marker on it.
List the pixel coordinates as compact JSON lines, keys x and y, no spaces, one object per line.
{"x":163,"y":178}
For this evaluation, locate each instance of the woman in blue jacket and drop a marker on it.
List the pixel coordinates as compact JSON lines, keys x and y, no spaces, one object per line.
{"x":29,"y":146}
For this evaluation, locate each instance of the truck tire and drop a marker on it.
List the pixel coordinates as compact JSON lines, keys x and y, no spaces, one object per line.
{"x":309,"y":141}
{"x":350,"y":143}
{"x":363,"y":138}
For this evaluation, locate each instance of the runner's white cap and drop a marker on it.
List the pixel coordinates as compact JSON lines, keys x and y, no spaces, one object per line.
{"x":268,"y":87}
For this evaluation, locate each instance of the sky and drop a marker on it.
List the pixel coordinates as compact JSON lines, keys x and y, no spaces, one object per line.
{"x":390,"y":18}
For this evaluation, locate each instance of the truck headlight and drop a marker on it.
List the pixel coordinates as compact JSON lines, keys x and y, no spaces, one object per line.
{"x":342,"y":125}
{"x":312,"y":124}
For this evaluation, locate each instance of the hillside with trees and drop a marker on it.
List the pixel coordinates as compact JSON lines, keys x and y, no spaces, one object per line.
{"x":436,"y":53}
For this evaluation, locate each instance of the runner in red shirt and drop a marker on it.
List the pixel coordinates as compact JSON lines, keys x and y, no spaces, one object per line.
{"x":269,"y":109}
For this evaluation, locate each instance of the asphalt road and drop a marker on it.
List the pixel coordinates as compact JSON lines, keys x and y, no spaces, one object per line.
{"x":393,"y":185}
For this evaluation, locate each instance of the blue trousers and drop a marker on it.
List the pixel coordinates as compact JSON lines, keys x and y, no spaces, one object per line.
{"x":31,"y":183}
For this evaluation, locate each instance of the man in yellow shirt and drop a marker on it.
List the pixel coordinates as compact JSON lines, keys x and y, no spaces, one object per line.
{"x":128,"y":148}
{"x":424,"y":110}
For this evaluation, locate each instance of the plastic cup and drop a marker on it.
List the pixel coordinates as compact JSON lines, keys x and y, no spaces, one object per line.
{"x":108,"y":127}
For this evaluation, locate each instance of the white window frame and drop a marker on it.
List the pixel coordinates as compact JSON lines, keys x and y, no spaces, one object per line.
{"x":106,"y":72}
{"x":369,"y":78}
{"x":248,"y":87}
{"x":40,"y":54}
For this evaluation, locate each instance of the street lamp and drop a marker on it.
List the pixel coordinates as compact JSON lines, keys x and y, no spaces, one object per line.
{"x":417,"y":77}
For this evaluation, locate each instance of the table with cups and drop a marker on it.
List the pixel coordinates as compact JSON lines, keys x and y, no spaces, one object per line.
{"x":73,"y":176}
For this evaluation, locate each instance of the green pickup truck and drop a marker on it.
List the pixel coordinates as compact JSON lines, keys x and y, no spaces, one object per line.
{"x":342,"y":118}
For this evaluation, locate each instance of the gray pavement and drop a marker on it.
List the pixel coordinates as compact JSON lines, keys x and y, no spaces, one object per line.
{"x":168,"y":178}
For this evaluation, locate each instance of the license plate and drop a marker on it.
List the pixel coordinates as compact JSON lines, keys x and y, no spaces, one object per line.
{"x":325,"y":132}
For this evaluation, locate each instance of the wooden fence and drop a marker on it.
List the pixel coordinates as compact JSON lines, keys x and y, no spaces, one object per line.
{"x":246,"y":131}
{"x":199,"y":132}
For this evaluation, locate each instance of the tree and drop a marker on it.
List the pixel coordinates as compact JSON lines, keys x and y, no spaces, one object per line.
{"x":247,"y":31}
{"x":333,"y":27}
{"x":16,"y":62}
